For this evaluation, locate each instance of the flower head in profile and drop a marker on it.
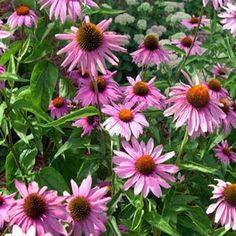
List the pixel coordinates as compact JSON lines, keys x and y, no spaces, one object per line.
{"x":87,"y":208}
{"x":216,"y":3}
{"x":150,"y":51}
{"x":108,"y":90}
{"x":142,"y":164}
{"x":221,"y":70}
{"x":194,"y":21}
{"x":186,"y":43}
{"x":224,"y":153}
{"x":23,"y":15}
{"x":228,"y":18}
{"x":6,"y":201}
{"x":194,"y":107}
{"x":2,"y":71}
{"x":58,"y":107}
{"x":40,"y":208}
{"x":17,"y":231}
{"x":62,"y":8}
{"x":216,"y":89}
{"x":94,"y":43}
{"x":224,"y":194}
{"x":88,"y":124}
{"x":124,"y":120}
{"x":143,"y":92}
{"x":75,"y":77}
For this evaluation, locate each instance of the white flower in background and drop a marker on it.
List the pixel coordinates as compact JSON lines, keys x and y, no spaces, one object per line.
{"x":139,"y":38}
{"x":132,"y":2}
{"x":124,"y":19}
{"x":165,"y":42}
{"x":159,"y":30}
{"x":174,"y":61}
{"x":177,"y":35}
{"x":172,"y":6}
{"x":177,"y":17}
{"x":145,"y":7}
{"x":142,"y":24}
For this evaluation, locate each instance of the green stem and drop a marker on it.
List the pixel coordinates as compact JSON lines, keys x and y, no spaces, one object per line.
{"x":184,"y":141}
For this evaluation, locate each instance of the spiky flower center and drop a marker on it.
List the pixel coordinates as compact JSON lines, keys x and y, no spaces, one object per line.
{"x":145,"y":164}
{"x":1,"y":200}
{"x":225,"y":105}
{"x":194,"y":20}
{"x":101,"y":84}
{"x":35,"y":206}
{"x":22,"y":10}
{"x":85,"y":75}
{"x":226,"y":151}
{"x":89,"y":37}
{"x":126,"y":115}
{"x":91,"y":119}
{"x":214,"y":85}
{"x":230,"y":194}
{"x":79,"y":208}
{"x":141,"y":88}
{"x":151,"y":42}
{"x":58,"y":102}
{"x":221,"y":71}
{"x":198,"y":96}
{"x":187,"y":42}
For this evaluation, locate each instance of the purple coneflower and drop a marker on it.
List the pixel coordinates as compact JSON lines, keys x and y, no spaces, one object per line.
{"x":143,"y":165}
{"x":185,"y":43}
{"x":215,"y":89}
{"x":23,"y":15}
{"x":150,"y":51}
{"x":144,"y":92}
{"x":58,"y":107}
{"x":108,"y":90}
{"x":195,"y":108}
{"x":90,"y":46}
{"x":225,"y":207}
{"x":194,"y":21}
{"x":40,"y":208}
{"x":76,"y":75}
{"x":87,"y":208}
{"x":224,"y":153}
{"x":216,"y":3}
{"x":124,"y":120}
{"x":221,"y":70}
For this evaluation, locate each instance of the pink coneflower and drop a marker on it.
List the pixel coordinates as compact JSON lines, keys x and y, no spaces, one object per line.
{"x":108,"y":90}
{"x":144,"y":92}
{"x":221,"y":70}
{"x":224,"y":153}
{"x":62,"y":8}
{"x":143,"y":165}
{"x":17,"y":231}
{"x":194,"y":21}
{"x":195,"y":108}
{"x":6,"y":201}
{"x":76,"y":76}
{"x":225,"y":207}
{"x":87,"y":208}
{"x":58,"y":107}
{"x":2,"y":71}
{"x":215,"y":89}
{"x":150,"y":51}
{"x":216,"y":3}
{"x":186,"y":42}
{"x":90,"y":46}
{"x":228,"y":18}
{"x":87,"y":124}
{"x":124,"y":120}
{"x":230,"y":118}
{"x":40,"y":208}
{"x":22,"y":16}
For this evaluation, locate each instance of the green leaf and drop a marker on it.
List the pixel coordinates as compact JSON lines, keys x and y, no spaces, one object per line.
{"x":10,"y":167}
{"x":113,"y":226}
{"x":3,"y":106}
{"x":113,"y":203}
{"x":220,"y":232}
{"x":12,"y":50}
{"x":174,"y":48}
{"x":42,"y":83}
{"x":137,"y":218}
{"x":12,"y":77}
{"x":103,"y":10}
{"x":24,"y":48}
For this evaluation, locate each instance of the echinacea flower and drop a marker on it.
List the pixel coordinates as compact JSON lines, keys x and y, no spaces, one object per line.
{"x":186,"y":42}
{"x":215,"y":89}
{"x":88,"y":124}
{"x":228,"y":18}
{"x":224,"y":153}
{"x":2,"y":71}
{"x":76,"y":75}
{"x":23,"y":15}
{"x":87,"y":208}
{"x":58,"y":107}
{"x":194,"y":107}
{"x":6,"y":201}
{"x":90,"y":46}
{"x":124,"y":120}
{"x":17,"y":231}
{"x":108,"y":90}
{"x":150,"y":51}
{"x":143,"y":92}
{"x":194,"y":21}
{"x":221,"y":70}
{"x":143,"y":166}
{"x":225,"y":206}
{"x":62,"y":8}
{"x":40,"y":208}
{"x":230,"y":118}
{"x":216,"y":3}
